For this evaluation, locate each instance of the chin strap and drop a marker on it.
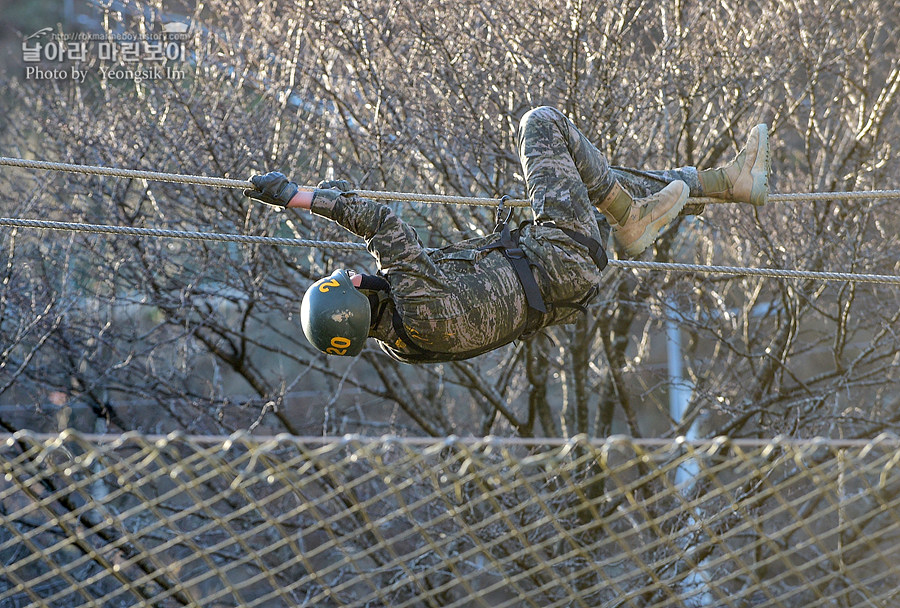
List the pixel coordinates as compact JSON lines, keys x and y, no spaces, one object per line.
{"x":378,"y":290}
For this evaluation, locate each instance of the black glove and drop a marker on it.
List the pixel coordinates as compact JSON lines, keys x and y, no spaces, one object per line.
{"x":336,"y":184}
{"x":272,"y":189}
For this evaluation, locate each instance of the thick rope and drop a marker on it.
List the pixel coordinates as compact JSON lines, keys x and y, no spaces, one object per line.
{"x":221,"y":182}
{"x":288,"y":242}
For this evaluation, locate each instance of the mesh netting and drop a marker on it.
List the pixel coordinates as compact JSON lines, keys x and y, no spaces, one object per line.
{"x":286,"y":521}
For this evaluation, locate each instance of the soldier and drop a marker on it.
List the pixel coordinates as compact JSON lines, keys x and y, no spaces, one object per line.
{"x":431,"y":305}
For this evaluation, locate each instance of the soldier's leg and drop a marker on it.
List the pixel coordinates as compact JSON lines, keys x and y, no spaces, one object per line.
{"x":743,"y":180}
{"x":566,"y":175}
{"x":641,"y":184}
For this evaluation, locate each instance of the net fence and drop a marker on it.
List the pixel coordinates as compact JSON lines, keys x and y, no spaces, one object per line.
{"x":168,"y":521}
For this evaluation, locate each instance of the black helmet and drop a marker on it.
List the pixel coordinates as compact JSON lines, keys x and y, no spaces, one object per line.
{"x":335,"y":315}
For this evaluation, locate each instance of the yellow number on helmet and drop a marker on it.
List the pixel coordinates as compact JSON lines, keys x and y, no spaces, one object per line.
{"x":327,"y":285}
{"x":339,"y":346}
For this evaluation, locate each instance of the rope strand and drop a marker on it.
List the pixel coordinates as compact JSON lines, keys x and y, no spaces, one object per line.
{"x":221,"y":182}
{"x":779,"y":273}
{"x":193,"y":235}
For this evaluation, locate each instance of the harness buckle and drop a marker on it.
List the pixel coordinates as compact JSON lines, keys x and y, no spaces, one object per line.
{"x":501,"y":207}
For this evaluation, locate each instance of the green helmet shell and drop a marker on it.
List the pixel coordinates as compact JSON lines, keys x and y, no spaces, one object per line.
{"x":335,"y":315}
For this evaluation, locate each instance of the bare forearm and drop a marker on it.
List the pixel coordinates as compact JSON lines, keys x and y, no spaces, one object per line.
{"x":303,"y":199}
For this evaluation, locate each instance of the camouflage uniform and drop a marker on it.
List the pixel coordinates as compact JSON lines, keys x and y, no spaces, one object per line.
{"x":460,"y":301}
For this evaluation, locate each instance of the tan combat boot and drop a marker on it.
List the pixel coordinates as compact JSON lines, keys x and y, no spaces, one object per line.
{"x":746,"y":178}
{"x":637,"y":223}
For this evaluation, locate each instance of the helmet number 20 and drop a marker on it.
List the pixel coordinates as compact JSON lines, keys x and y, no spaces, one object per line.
{"x":339,"y":346}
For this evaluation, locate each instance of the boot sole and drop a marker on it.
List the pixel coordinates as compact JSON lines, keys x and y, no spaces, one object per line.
{"x":654,"y":228}
{"x":759,"y":191}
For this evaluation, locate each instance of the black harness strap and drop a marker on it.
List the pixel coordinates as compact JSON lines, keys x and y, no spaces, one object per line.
{"x":598,"y":254}
{"x":509,"y":246}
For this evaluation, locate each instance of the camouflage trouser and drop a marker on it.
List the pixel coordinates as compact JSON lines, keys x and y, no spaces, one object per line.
{"x":566,"y":175}
{"x":644,"y":183}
